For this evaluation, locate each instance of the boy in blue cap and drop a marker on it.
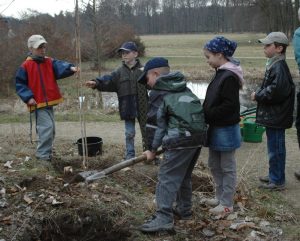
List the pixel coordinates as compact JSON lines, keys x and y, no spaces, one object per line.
{"x":176,"y":118}
{"x":132,"y":96}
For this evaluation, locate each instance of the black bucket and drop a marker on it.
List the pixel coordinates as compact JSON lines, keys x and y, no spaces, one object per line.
{"x":94,"y":146}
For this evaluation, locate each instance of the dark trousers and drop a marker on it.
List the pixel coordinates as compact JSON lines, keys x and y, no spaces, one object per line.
{"x":175,"y":182}
{"x":277,"y":155}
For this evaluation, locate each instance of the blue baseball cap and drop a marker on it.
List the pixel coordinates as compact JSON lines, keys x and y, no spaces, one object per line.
{"x":154,"y":63}
{"x":128,"y":46}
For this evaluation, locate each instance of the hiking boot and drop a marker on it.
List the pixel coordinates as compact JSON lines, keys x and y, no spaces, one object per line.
{"x":211,"y":202}
{"x":156,"y":224}
{"x":297,"y":175}
{"x":272,"y":186}
{"x":264,"y":179}
{"x":221,"y":210}
{"x":182,"y":216}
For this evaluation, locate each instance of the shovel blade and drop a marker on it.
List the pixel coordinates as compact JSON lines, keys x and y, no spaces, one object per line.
{"x":89,"y":176}
{"x":82,"y":176}
{"x":86,"y":174}
{"x":95,"y":176}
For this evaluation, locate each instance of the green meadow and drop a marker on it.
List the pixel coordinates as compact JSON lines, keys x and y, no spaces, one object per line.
{"x":184,"y":52}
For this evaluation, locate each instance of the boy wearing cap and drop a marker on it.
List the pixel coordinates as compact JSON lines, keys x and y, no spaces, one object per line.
{"x":296,"y":43}
{"x":177,"y":118}
{"x":37,"y":87}
{"x":222,"y":114}
{"x":132,"y":96}
{"x":275,"y":105}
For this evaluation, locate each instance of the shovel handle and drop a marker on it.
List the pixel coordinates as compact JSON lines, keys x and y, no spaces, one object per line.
{"x":248,"y":112}
{"x":127,"y":163}
{"x":97,"y":175}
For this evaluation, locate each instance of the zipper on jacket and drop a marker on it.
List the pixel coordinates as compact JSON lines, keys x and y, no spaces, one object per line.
{"x":43,"y":85}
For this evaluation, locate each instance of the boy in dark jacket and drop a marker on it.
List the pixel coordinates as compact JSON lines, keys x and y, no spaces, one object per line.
{"x":275,"y":105}
{"x":132,"y":96}
{"x":180,"y":129}
{"x":37,"y":87}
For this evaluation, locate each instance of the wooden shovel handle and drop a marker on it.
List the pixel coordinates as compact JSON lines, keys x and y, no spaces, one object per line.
{"x":127,"y":163}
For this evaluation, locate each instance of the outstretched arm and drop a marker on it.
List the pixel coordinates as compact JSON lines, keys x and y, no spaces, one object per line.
{"x":63,"y":69}
{"x":105,"y":83}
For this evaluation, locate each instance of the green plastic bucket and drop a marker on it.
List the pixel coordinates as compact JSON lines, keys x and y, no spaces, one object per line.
{"x":251,"y":131}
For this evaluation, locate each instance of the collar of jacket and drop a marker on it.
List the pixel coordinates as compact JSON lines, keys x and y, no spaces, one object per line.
{"x":273,"y":60}
{"x":38,"y":59}
{"x":137,"y":64}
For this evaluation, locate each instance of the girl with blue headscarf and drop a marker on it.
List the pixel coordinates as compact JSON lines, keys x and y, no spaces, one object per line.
{"x":222,"y":114}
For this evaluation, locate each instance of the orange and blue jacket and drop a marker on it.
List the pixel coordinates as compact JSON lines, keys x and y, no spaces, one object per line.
{"x":36,"y":78}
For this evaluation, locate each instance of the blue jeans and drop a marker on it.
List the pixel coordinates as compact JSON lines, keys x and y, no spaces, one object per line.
{"x":175,"y":182}
{"x":277,"y":154}
{"x":129,"y":138}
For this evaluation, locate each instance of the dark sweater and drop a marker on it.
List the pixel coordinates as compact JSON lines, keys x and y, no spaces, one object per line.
{"x":221,"y":104}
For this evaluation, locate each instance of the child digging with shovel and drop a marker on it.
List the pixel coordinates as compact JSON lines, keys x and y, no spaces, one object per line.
{"x":180,"y":130}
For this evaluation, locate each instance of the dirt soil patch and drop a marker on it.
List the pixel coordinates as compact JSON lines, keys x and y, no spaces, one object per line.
{"x":37,"y":203}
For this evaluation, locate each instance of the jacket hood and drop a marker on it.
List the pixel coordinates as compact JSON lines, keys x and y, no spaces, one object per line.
{"x":237,"y":69}
{"x":174,"y":82}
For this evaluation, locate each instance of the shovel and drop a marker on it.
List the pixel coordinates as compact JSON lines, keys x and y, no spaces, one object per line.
{"x":90,"y":176}
{"x":248,"y":112}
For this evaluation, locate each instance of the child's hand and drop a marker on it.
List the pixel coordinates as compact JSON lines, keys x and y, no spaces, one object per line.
{"x":31,"y":102}
{"x":252,"y":96}
{"x":150,"y":155}
{"x":90,"y":84}
{"x":75,"y":69}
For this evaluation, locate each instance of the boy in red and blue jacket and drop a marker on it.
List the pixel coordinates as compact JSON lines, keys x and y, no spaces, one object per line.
{"x":37,"y":87}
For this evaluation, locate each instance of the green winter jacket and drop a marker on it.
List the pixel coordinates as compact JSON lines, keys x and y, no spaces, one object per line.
{"x":180,"y":117}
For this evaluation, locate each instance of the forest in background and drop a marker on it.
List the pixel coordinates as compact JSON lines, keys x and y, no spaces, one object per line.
{"x":105,"y":24}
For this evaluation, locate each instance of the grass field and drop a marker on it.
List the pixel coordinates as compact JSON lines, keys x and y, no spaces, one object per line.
{"x":184,"y":52}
